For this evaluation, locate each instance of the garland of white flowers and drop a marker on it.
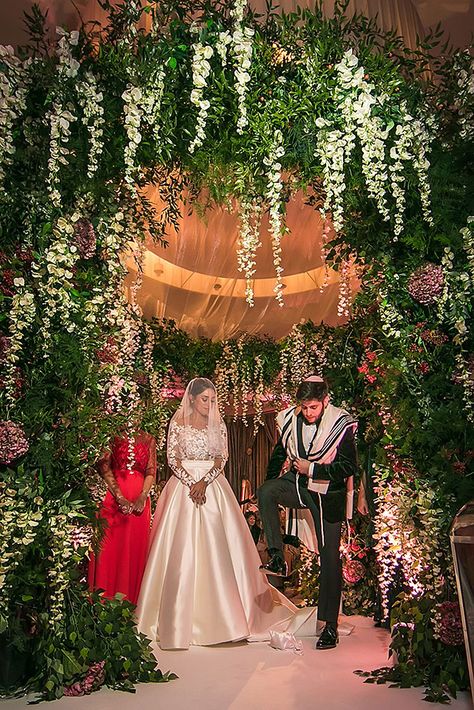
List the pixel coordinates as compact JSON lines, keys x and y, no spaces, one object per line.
{"x":239,"y":382}
{"x":20,"y":521}
{"x":465,"y":99}
{"x":344,"y":297}
{"x":332,"y":149}
{"x":418,"y":558}
{"x":54,"y":280}
{"x":249,"y":242}
{"x":60,"y":556}
{"x":60,"y":119}
{"x":12,"y":104}
{"x":294,"y":361}
{"x":454,"y":307}
{"x":242,"y":48}
{"x":226,"y":377}
{"x":275,"y":207}
{"x":392,"y":321}
{"x":201,"y":68}
{"x":133,"y":113}
{"x":356,"y":100}
{"x":151,"y":102}
{"x":224,"y":39}
{"x":258,"y":395}
{"x":20,"y":318}
{"x":61,"y":116}
{"x":90,"y":99}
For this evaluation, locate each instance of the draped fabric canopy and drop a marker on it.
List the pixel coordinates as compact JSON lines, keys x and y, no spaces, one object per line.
{"x":195,"y":280}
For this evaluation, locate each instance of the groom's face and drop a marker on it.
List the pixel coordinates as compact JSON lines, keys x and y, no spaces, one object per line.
{"x":312,"y":409}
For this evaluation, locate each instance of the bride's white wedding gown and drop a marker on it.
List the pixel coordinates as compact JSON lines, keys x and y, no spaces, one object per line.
{"x":202,"y":584}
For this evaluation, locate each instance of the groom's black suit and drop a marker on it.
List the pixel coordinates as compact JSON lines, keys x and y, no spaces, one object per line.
{"x":281,"y":490}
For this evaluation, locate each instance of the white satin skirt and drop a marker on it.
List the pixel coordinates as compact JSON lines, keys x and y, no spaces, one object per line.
{"x":202,"y":584}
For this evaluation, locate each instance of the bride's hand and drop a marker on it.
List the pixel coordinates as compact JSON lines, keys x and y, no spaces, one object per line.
{"x":197,"y":492}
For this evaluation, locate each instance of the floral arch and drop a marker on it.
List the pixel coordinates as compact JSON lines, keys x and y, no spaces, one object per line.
{"x":246,"y":110}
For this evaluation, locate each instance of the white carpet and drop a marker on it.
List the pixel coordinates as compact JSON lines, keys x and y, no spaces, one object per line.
{"x":258,"y":677}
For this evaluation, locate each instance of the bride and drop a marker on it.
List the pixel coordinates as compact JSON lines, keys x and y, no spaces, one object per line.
{"x":202,"y":583}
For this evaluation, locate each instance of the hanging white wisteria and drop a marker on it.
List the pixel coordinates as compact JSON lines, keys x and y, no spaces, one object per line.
{"x":133,"y":113}
{"x":90,"y":99}
{"x":12,"y":104}
{"x":242,"y":48}
{"x":201,"y":68}
{"x":151,"y":102}
{"x":358,"y":105}
{"x":406,"y":549}
{"x":249,"y":242}
{"x":276,"y":207}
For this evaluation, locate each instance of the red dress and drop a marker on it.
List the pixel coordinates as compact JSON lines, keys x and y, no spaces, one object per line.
{"x":120,"y":563}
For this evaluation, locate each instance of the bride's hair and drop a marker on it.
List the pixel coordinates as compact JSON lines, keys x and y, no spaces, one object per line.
{"x":200,"y":384}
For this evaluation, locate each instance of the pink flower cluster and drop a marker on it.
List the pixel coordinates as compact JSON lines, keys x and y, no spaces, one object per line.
{"x":4,"y":347}
{"x":95,"y":677}
{"x":108,"y":353}
{"x":113,"y":402}
{"x":7,"y":286}
{"x":13,"y":442}
{"x":434,"y":337}
{"x":85,"y":238}
{"x":353,"y":571}
{"x":426,"y":283}
{"x":448,"y":625}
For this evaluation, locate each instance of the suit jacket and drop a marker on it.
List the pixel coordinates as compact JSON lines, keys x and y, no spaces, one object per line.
{"x":344,"y":465}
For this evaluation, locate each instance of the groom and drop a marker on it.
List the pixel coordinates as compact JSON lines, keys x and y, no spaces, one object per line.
{"x":316,"y":440}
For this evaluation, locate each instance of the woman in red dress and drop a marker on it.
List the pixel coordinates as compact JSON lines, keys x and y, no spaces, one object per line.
{"x":120,"y":562}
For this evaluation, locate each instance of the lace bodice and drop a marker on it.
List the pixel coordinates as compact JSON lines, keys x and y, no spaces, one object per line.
{"x":187,"y":442}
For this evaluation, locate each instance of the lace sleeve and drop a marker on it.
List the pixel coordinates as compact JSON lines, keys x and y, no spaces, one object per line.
{"x":174,"y":456}
{"x":220,"y":461}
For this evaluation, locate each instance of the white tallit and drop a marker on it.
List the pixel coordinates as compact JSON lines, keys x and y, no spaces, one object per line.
{"x":331,"y":430}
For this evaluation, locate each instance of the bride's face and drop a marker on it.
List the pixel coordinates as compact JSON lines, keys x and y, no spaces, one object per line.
{"x":203,"y":401}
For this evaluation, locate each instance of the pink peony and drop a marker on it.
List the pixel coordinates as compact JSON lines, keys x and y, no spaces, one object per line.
{"x":426,"y":283}
{"x":448,"y":625}
{"x":13,"y":442}
{"x":94,"y":678}
{"x":85,"y":238}
{"x":353,"y":571}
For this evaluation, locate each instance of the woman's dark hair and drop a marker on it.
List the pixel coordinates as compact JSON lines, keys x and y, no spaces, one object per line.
{"x":312,"y":390}
{"x":199,"y":384}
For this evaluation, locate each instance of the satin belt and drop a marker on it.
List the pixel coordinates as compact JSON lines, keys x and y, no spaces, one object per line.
{"x":197,"y":469}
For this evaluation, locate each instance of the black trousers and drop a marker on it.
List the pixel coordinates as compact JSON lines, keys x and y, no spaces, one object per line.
{"x":282,"y":491}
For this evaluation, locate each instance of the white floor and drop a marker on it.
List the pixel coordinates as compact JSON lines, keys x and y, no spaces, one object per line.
{"x":258,"y":677}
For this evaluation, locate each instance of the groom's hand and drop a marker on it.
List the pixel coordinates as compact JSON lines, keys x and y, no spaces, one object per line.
{"x":302,"y":466}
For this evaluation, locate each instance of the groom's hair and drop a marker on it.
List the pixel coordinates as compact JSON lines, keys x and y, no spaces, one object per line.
{"x":312,"y":390}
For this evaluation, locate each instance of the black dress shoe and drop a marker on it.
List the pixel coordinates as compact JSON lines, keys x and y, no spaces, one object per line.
{"x":328,"y":639}
{"x":276,"y":566}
